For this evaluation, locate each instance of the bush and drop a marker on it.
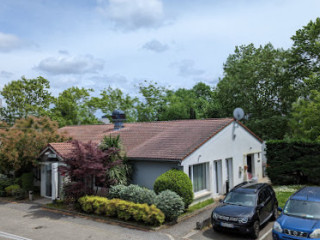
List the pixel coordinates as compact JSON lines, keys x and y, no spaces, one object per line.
{"x":293,"y":162}
{"x":5,"y":182}
{"x":27,"y":181}
{"x":133,"y":193}
{"x":114,"y":191}
{"x":122,"y":209}
{"x":72,"y":191}
{"x":12,"y":189}
{"x":176,"y":181}
{"x":170,"y":204}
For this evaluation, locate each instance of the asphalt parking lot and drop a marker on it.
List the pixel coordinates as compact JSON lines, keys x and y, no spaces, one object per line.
{"x":209,"y":233}
{"x":22,"y":221}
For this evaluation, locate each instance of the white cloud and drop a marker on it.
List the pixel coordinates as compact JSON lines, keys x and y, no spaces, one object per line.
{"x":5,"y":74}
{"x":9,"y":42}
{"x":156,"y":46}
{"x":70,"y":65}
{"x":187,"y":68}
{"x":133,"y":14}
{"x":64,"y":52}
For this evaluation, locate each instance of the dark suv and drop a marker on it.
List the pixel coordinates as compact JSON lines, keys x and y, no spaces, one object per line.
{"x":245,"y":208}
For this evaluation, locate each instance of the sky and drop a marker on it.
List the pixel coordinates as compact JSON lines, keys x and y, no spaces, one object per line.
{"x":120,"y":43}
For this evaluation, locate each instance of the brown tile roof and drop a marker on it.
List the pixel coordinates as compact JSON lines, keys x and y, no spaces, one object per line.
{"x":170,"y":140}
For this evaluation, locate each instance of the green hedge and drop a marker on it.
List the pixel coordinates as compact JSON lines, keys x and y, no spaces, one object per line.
{"x":121,"y":209}
{"x":176,"y":181}
{"x":12,"y":189}
{"x":27,"y":181}
{"x":132,"y":193}
{"x":293,"y":162}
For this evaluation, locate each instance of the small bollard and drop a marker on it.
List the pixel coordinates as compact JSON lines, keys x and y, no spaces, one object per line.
{"x":31,"y":195}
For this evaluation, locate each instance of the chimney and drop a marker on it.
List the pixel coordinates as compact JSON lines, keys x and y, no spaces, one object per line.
{"x":118,"y":117}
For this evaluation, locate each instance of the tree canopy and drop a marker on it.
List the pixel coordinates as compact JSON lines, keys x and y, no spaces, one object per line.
{"x":305,"y":118}
{"x":74,"y":106}
{"x":25,"y":97}
{"x":22,"y":143}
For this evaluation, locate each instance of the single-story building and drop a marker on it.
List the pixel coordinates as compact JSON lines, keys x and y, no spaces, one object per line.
{"x":212,"y":152}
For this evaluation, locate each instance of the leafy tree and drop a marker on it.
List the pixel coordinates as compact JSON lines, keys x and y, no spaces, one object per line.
{"x":73,"y":106}
{"x":119,"y":174}
{"x":305,"y":56}
{"x":26,"y":97}
{"x":112,"y":99}
{"x":179,"y":105}
{"x":305,"y":118}
{"x":257,"y":80}
{"x":87,"y":167}
{"x":153,"y":103}
{"x":22,"y":143}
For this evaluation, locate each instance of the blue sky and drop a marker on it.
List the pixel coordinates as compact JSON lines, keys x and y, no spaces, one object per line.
{"x":177,"y":43}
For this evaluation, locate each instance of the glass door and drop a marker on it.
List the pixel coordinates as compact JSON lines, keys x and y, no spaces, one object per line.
{"x":48,"y":180}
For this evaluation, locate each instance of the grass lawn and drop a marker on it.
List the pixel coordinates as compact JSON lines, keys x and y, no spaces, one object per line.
{"x":199,"y":206}
{"x":284,"y":192}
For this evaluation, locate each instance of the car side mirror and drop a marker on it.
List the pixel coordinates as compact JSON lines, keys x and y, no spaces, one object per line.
{"x":279,"y":209}
{"x":220,"y":201}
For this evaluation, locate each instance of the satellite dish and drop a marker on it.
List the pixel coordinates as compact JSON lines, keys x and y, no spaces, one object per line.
{"x":238,"y":113}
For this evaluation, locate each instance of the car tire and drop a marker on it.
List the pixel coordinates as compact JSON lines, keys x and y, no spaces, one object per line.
{"x":255,"y":230}
{"x":275,"y":213}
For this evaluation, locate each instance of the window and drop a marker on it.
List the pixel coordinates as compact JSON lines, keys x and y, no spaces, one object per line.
{"x":198,"y":175}
{"x":262,"y":196}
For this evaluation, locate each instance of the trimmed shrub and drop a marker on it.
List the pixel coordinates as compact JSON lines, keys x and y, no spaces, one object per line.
{"x":27,"y":181}
{"x":12,"y":189}
{"x":114,"y":191}
{"x":122,"y":209}
{"x":170,"y":204}
{"x":176,"y":181}
{"x":133,"y":193}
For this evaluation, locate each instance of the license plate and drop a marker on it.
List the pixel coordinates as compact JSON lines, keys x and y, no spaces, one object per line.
{"x":228,"y":225}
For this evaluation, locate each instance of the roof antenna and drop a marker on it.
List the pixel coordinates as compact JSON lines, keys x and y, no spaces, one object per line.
{"x":238,"y":114}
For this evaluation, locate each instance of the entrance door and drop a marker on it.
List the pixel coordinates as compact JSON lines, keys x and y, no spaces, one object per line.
{"x":48,"y":177}
{"x":229,"y":172}
{"x":250,"y":165}
{"x":218,"y":174}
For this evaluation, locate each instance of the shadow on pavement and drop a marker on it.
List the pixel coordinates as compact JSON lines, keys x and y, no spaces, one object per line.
{"x":224,"y":235}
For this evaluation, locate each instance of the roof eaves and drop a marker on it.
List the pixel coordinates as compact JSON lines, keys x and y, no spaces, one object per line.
{"x":211,"y":136}
{"x":49,"y":146}
{"x":154,"y":159}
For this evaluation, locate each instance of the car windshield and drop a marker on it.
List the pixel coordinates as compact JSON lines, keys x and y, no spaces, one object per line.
{"x":304,"y":209}
{"x":241,"y":199}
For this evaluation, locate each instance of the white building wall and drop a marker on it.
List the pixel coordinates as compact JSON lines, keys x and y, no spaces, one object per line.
{"x":232,"y":142}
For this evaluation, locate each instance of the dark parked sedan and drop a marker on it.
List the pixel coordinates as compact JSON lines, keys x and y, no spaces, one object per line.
{"x":245,"y":208}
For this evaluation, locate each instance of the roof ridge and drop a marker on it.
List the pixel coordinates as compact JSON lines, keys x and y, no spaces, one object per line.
{"x":149,"y":122}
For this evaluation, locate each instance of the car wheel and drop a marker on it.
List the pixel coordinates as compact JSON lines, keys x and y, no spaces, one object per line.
{"x":275,"y":213}
{"x":255,"y":230}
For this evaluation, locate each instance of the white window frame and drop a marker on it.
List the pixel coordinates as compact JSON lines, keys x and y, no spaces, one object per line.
{"x":206,"y":189}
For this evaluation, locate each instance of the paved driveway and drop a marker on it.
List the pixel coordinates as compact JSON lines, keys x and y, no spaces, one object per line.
{"x":24,"y":221}
{"x":28,"y":221}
